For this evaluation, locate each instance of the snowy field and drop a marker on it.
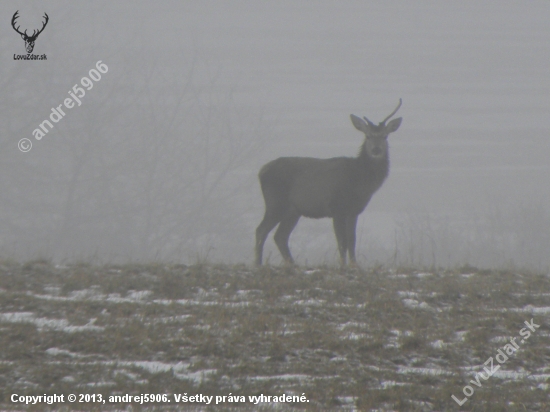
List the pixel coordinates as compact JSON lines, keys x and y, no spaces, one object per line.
{"x":373,"y":340}
{"x":160,"y":164}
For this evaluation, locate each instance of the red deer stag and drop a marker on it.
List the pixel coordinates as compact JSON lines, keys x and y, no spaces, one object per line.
{"x":339,"y":187}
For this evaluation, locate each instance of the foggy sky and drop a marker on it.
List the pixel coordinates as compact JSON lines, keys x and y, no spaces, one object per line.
{"x":160,"y":161}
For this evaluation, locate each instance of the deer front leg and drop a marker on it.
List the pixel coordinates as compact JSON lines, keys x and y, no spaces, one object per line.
{"x":339,"y":224}
{"x":351,"y":224}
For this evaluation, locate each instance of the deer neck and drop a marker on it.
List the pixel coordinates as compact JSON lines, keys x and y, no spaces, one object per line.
{"x":375,"y":169}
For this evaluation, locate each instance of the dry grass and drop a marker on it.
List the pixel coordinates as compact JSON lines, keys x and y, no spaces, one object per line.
{"x":373,"y":340}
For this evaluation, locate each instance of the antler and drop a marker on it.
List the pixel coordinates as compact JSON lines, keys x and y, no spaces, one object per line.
{"x":34,"y":33}
{"x":368,"y":121}
{"x":15,"y":16}
{"x":392,"y":113}
{"x":43,"y":26}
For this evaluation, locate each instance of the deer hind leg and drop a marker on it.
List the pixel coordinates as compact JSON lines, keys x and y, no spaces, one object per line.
{"x":339,"y":224}
{"x":283,"y":233}
{"x":263,"y":229}
{"x":351,"y":224}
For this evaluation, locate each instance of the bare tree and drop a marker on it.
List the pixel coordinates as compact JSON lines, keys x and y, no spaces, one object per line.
{"x":156,"y":164}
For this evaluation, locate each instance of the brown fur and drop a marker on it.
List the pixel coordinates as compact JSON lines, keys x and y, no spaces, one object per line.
{"x":339,"y":188}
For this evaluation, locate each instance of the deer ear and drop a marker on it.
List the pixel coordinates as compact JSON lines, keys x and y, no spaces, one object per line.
{"x":359,"y":123}
{"x":393,"y":125}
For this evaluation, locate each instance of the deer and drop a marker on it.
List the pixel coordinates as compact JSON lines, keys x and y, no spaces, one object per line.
{"x":29,"y":40}
{"x":339,"y":188}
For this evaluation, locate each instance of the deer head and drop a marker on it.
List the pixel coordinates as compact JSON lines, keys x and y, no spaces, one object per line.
{"x":376,"y":136}
{"x":29,"y":40}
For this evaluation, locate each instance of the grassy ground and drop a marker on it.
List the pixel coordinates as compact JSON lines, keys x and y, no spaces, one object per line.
{"x":373,"y":340}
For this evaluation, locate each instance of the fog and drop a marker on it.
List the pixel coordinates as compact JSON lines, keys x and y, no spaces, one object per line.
{"x":160,"y":160}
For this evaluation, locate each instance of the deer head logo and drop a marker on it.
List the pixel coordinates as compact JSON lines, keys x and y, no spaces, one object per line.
{"x":29,"y":40}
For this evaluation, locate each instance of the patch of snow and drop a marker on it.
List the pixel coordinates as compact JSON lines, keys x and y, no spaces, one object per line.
{"x":423,"y":371}
{"x":390,"y":384}
{"x":407,"y":294}
{"x":499,"y":339}
{"x":156,"y":367}
{"x":193,"y":302}
{"x":94,"y":295}
{"x":539,"y":377}
{"x":356,"y":336}
{"x":285,"y":377}
{"x":343,"y":326}
{"x":347,"y":399}
{"x":393,"y":340}
{"x":310,"y":302}
{"x":460,"y":336}
{"x":414,"y":304}
{"x":504,"y":374}
{"x":83,"y":294}
{"x":531,"y":309}
{"x":138,"y":294}
{"x":124,"y":372}
{"x":57,"y":352}
{"x":53,"y":290}
{"x":101,"y":384}
{"x":439,"y":344}
{"x":170,"y":319}
{"x":247,"y":292}
{"x":537,"y":295}
{"x":198,"y":376}
{"x":45,"y":323}
{"x":311,"y":271}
